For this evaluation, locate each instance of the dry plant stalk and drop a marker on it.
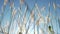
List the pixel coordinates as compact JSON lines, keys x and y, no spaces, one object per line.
{"x":32,"y":16}
{"x":21,"y":1}
{"x":54,"y":6}
{"x":14,"y":13}
{"x":5,"y":2}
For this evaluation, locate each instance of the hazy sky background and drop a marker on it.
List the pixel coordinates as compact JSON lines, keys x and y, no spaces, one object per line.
{"x":31,"y":3}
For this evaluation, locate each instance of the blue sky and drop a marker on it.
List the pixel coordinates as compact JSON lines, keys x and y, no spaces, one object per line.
{"x":31,"y":4}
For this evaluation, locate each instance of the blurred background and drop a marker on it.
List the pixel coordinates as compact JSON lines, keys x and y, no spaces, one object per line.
{"x":29,"y":16}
